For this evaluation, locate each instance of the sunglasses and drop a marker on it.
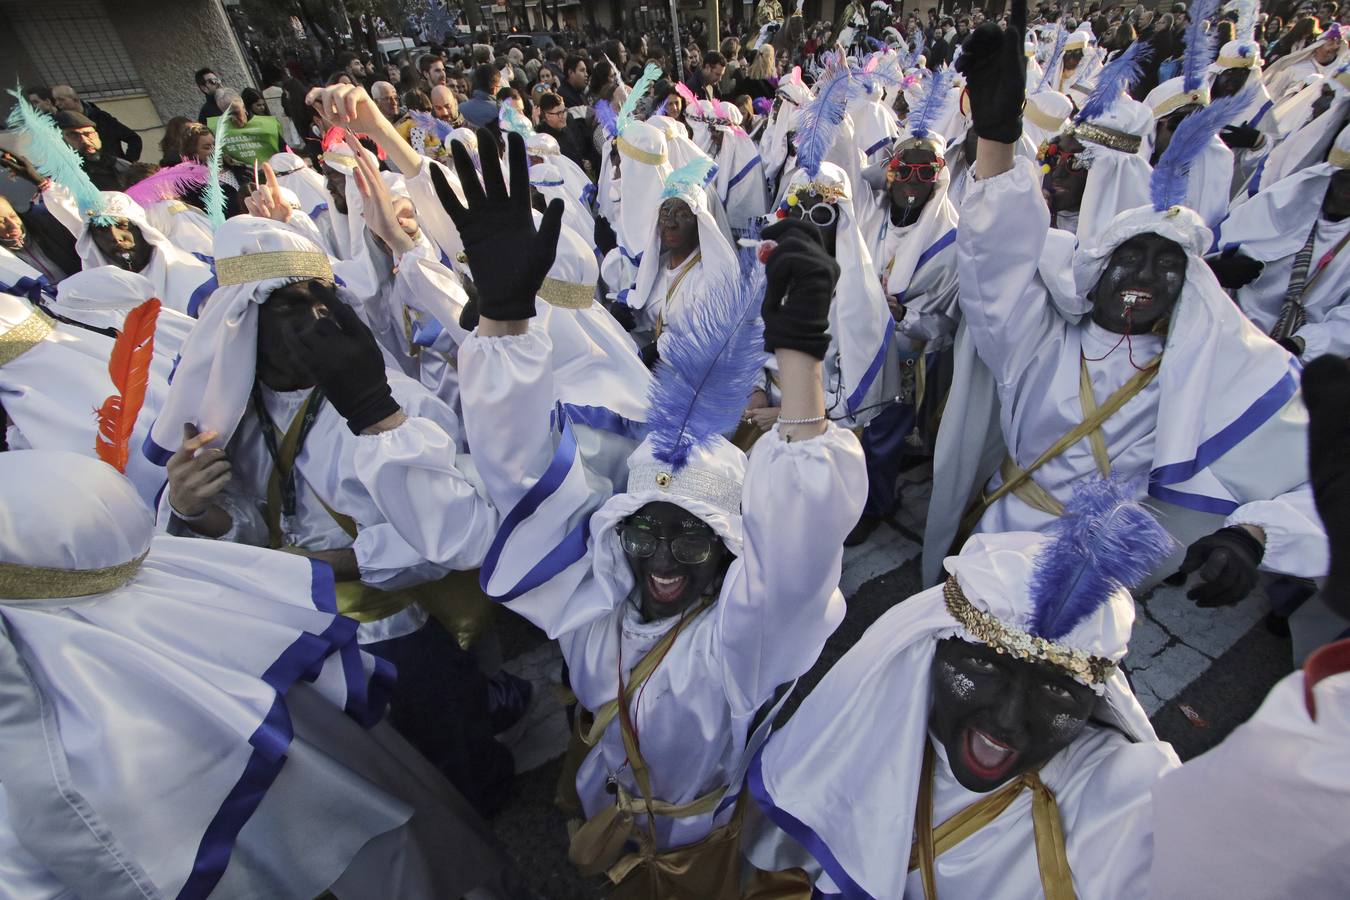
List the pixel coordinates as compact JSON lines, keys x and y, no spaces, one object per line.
{"x":924,"y":172}
{"x":822,"y":215}
{"x":640,"y":541}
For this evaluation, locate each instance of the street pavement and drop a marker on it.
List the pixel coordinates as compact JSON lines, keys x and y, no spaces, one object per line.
{"x":1198,"y":673}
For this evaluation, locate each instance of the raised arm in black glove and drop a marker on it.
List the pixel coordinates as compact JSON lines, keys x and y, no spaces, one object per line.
{"x":343,"y":357}
{"x":1240,"y":137}
{"x":1228,"y":561}
{"x":1326,"y":391}
{"x":508,"y":257}
{"x":1233,"y":269}
{"x":799,"y":284}
{"x":995,"y":66}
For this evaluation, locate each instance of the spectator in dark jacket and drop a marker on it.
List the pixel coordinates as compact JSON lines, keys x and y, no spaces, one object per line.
{"x":118,"y":139}
{"x":208,"y":82}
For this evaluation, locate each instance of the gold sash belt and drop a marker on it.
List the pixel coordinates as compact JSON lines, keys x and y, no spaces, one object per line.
{"x":24,"y":336}
{"x":19,"y":582}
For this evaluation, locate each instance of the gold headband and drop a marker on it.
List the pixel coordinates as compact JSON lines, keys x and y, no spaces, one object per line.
{"x":1338,"y":157}
{"x":1042,"y":118}
{"x":40,"y":583}
{"x":1107,"y":137}
{"x":24,"y":336}
{"x":276,"y":264}
{"x":642,"y":156}
{"x":565,"y":295}
{"x":1239,"y":62}
{"x":1199,"y":96}
{"x":988,"y":629}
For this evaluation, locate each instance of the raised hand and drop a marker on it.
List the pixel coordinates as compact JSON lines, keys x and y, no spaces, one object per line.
{"x":1233,"y":270}
{"x":347,"y":105}
{"x":342,"y":356}
{"x":507,"y":256}
{"x":20,"y":167}
{"x":995,"y":65}
{"x":799,"y":283}
{"x":1227,"y":561}
{"x":386,"y":220}
{"x":266,"y":200}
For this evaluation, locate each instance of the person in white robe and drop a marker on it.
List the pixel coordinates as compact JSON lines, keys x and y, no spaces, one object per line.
{"x":295,"y":172}
{"x":544,"y":150}
{"x":686,"y":251}
{"x":1253,"y":132}
{"x":262,"y":433}
{"x":549,"y":182}
{"x":777,"y":151}
{"x":1205,"y":405}
{"x":1095,"y":166}
{"x":1316,"y":115}
{"x":637,"y":165}
{"x":1299,"y":229}
{"x":1264,"y":814}
{"x":181,"y":280}
{"x":739,"y":179}
{"x":721,"y":575}
{"x":1321,"y":57}
{"x":1012,"y":748}
{"x":54,"y":377}
{"x":196,"y":720}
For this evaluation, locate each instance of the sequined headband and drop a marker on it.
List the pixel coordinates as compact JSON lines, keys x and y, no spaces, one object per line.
{"x":276,"y":264}
{"x":1106,"y":137}
{"x":1084,"y":667}
{"x":19,"y":582}
{"x":1197,"y":97}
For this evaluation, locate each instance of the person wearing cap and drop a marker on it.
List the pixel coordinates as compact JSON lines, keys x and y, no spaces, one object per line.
{"x":1013,"y":759}
{"x":105,"y":169}
{"x":184,"y":719}
{"x":1297,"y":230}
{"x":122,"y":141}
{"x":280,"y":390}
{"x":1129,"y":359}
{"x":683,"y":603}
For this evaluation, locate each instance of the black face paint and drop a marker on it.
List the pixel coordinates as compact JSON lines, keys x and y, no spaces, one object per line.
{"x":826,"y":219}
{"x":290,"y":308}
{"x":123,"y":245}
{"x":997,"y":716}
{"x":1228,"y":82}
{"x":1071,"y":59}
{"x":970,"y":144}
{"x":678,"y":227}
{"x":337,"y":189}
{"x":669,"y":585}
{"x":1166,"y":127}
{"x":1140,"y":286}
{"x":911,"y":180}
{"x":1336,"y":203}
{"x":1067,"y":178}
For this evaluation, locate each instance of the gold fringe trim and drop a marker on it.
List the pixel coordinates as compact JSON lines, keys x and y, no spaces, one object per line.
{"x":24,"y":336}
{"x":276,"y":264}
{"x":38,"y":583}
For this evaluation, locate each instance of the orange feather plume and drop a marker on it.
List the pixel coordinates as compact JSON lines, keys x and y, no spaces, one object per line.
{"x":129,"y":367}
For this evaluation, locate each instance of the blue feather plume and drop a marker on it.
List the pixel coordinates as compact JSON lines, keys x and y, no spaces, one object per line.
{"x":432,"y":125}
{"x":913,"y":59}
{"x":604,"y":114}
{"x":1061,"y":38}
{"x":691,"y":175}
{"x":1167,"y":185}
{"x":510,"y":119}
{"x":1117,"y":78}
{"x":650,"y":75}
{"x":700,"y":384}
{"x":57,"y":160}
{"x":213,"y":197}
{"x":1201,"y":43}
{"x":819,"y":120}
{"x":927,"y":110}
{"x":1105,"y":541}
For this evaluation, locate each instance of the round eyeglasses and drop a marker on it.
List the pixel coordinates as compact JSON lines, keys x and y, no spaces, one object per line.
{"x":822,"y":215}
{"x":689,"y":549}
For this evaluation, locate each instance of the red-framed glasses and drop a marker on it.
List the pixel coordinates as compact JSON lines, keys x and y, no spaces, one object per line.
{"x":924,"y":172}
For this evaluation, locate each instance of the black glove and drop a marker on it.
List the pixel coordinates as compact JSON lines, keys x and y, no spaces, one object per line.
{"x":995,"y":66}
{"x":1326,"y":391}
{"x":800,"y":278}
{"x":1240,"y":137}
{"x":1233,"y":269}
{"x":507,"y":256}
{"x":604,"y":236}
{"x":1227,"y":560}
{"x":650,"y":355}
{"x":342,"y":356}
{"x":1294,"y":344}
{"x":624,"y":314}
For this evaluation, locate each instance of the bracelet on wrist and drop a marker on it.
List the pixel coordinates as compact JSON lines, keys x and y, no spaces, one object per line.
{"x":811,"y":421}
